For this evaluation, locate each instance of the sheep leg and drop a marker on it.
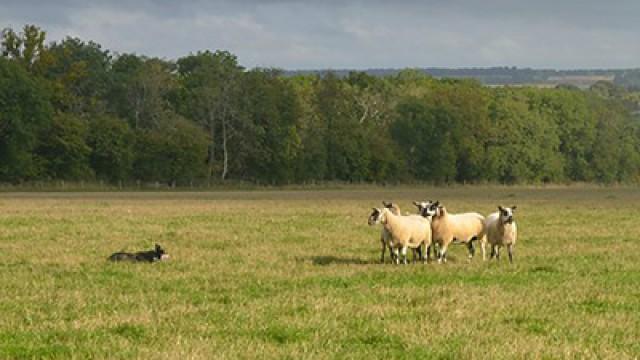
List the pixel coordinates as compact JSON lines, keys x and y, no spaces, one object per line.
{"x":392,"y":255}
{"x":384,"y":248}
{"x":510,"y":249}
{"x":472,"y":249}
{"x":497,"y":253}
{"x":493,"y":252}
{"x":417,"y":254}
{"x":443,"y":254}
{"x":484,"y":251}
{"x":404,"y":255}
{"x":396,"y":256}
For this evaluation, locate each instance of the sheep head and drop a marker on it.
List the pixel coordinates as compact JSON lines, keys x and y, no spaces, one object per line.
{"x":376,"y":216}
{"x":422,"y":204}
{"x":434,"y":210}
{"x":506,"y":214}
{"x":395,"y":209}
{"x":425,"y":208}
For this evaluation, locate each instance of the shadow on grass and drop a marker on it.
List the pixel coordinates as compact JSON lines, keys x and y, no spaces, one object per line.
{"x":333,"y":260}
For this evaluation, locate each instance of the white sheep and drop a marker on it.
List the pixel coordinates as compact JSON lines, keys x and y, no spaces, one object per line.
{"x":404,"y":231}
{"x":454,"y":228}
{"x":385,"y":237}
{"x":423,"y":210}
{"x":501,"y":231}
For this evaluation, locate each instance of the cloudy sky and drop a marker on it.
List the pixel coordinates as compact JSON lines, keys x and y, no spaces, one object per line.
{"x":362,"y":34}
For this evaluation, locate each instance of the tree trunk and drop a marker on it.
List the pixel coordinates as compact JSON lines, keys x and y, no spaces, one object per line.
{"x":137,"y":117}
{"x":225,"y":153}
{"x":212,"y":144}
{"x":4,"y":127}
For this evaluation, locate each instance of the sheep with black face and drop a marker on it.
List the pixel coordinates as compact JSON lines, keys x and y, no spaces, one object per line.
{"x":449,"y":228}
{"x":385,"y":237}
{"x":501,"y":231}
{"x":424,"y":210}
{"x":404,"y":231}
{"x":422,"y":206}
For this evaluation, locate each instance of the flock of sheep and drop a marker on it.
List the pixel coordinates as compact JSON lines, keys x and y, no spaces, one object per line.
{"x":435,"y":226}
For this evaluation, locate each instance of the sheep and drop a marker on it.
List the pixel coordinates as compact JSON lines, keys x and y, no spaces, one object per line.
{"x":454,"y":228}
{"x":417,"y":252}
{"x":423,"y":205}
{"x":385,"y":237}
{"x":405,"y":231}
{"x":427,"y":214}
{"x":501,"y":230}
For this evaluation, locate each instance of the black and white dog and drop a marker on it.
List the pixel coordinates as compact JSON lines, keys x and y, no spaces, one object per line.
{"x":141,"y":256}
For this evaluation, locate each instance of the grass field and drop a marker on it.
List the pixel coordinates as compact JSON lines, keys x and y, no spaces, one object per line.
{"x":295,"y":274}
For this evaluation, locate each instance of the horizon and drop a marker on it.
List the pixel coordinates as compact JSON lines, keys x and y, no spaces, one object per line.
{"x":462,"y":68}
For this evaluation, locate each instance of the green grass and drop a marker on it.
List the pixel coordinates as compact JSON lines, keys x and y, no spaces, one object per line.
{"x":295,"y":274}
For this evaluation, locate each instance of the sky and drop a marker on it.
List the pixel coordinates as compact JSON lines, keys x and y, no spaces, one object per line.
{"x":332,"y":34}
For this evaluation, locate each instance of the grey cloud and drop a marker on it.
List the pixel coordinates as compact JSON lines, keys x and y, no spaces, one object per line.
{"x":353,"y":34}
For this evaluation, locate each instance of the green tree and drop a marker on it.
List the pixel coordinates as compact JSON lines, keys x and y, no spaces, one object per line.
{"x":25,"y":114}
{"x":124,"y":97}
{"x":311,"y":164}
{"x":273,"y":110}
{"x":112,"y":148}
{"x":79,"y":73}
{"x":465,"y":104}
{"x":522,"y":143}
{"x":26,"y":48}
{"x":64,"y":150}
{"x":172,"y":153}
{"x":211,"y":96}
{"x":347,"y":147}
{"x":424,"y":135}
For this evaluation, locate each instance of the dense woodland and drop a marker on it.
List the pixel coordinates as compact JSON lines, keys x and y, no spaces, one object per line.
{"x":73,"y":111}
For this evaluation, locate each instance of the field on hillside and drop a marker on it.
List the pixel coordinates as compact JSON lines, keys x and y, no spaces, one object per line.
{"x":296,"y":274}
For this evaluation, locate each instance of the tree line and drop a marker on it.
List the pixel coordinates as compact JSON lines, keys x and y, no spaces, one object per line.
{"x":71,"y":110}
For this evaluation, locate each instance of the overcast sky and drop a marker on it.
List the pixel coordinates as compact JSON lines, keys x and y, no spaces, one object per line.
{"x":335,"y":34}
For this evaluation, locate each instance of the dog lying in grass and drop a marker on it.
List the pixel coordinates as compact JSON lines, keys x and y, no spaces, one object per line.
{"x":157,"y":254}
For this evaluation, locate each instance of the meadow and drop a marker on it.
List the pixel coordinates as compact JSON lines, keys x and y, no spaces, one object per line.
{"x":296,"y":274}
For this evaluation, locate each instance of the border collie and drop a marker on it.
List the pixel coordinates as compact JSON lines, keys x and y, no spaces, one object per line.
{"x":141,"y":256}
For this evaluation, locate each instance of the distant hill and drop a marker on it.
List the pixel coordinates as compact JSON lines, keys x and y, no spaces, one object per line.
{"x":497,"y":76}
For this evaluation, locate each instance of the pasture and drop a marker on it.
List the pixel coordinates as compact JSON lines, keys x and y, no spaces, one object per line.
{"x":296,"y":274}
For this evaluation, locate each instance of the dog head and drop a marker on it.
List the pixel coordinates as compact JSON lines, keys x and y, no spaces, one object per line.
{"x":160,"y":253}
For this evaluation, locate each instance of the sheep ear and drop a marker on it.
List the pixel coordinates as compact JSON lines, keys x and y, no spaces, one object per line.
{"x":386,"y":204}
{"x":513,"y":207}
{"x":437,"y":203}
{"x":416,"y":204}
{"x":500,"y":208}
